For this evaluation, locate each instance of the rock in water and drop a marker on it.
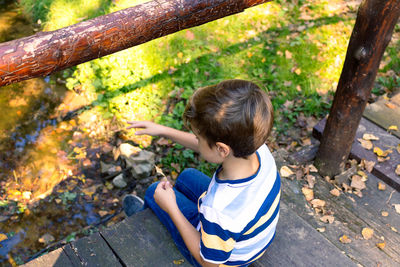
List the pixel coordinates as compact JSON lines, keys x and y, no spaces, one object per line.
{"x":119,"y":181}
{"x":141,"y":164}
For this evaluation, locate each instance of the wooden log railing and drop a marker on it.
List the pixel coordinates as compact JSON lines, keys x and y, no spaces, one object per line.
{"x":371,"y":35}
{"x":47,"y":52}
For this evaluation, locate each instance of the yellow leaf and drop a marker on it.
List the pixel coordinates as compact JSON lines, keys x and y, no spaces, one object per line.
{"x":390,"y":105}
{"x":367,"y":233}
{"x":180,"y":54}
{"x":335,"y":192}
{"x":317,"y":203}
{"x":381,"y":245}
{"x":263,"y":60}
{"x":249,"y":54}
{"x":288,"y":55}
{"x":297,"y":71}
{"x":3,"y":237}
{"x":382,"y":153}
{"x":381,"y":186}
{"x":384,"y":213}
{"x":397,"y":171}
{"x":345,"y":239}
{"x":178,"y":262}
{"x":393,"y":128}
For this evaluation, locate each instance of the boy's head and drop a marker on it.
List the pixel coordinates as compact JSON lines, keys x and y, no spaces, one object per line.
{"x":235,"y":112}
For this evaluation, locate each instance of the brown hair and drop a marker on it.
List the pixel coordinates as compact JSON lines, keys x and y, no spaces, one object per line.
{"x":235,"y":112}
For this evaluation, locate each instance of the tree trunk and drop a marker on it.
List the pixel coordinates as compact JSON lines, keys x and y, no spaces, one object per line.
{"x":371,"y":35}
{"x":47,"y":52}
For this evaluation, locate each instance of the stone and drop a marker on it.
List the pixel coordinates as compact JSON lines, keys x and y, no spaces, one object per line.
{"x":119,"y":181}
{"x":107,"y":168}
{"x":141,"y":164}
{"x":46,"y":239}
{"x":127,"y":150}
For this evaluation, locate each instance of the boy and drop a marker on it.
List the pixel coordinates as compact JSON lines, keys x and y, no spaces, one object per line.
{"x":228,"y":220}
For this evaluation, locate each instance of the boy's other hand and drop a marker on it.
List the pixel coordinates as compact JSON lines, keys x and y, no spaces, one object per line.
{"x":149,"y":128}
{"x":164,"y":196}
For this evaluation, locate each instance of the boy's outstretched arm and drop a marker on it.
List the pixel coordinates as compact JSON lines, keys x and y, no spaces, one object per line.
{"x":165,"y":198}
{"x":186,"y":139}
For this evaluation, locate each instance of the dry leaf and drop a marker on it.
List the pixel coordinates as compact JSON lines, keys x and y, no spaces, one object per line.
{"x":382,"y":159}
{"x":312,"y":168}
{"x":310,"y":180}
{"x":363,"y":175}
{"x":308,"y":193}
{"x":285,"y":171}
{"x":180,"y":54}
{"x":335,"y":192}
{"x":397,"y":171}
{"x":344,"y":239}
{"x":368,"y":165}
{"x":370,"y":137}
{"x":382,"y":153}
{"x":318,"y":203}
{"x":288,"y":55}
{"x":3,"y":237}
{"x":397,"y":207}
{"x":367,"y":233}
{"x":297,"y":71}
{"x":391,"y":105}
{"x":384,"y":213}
{"x":398,"y":148}
{"x":103,"y":213}
{"x":381,"y":186}
{"x":393,"y":128}
{"x":327,"y":219}
{"x":178,"y":262}
{"x":365,"y":143}
{"x":381,"y":245}
{"x":321,"y":229}
{"x":357,"y":182}
{"x":393,"y":229}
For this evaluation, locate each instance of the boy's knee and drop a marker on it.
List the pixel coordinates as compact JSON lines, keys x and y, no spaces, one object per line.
{"x":187,"y":173}
{"x":150,"y":191}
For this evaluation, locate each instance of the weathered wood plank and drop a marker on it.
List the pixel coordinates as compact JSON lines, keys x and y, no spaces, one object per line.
{"x":380,"y":113}
{"x":56,"y":258}
{"x":298,"y":244}
{"x":141,"y":240}
{"x":361,"y":251}
{"x":92,"y":251}
{"x":383,"y":170}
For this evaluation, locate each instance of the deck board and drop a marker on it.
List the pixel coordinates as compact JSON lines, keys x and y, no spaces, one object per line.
{"x":55,"y":258}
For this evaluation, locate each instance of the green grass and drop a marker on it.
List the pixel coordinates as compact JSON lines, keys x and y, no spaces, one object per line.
{"x":294,"y":49}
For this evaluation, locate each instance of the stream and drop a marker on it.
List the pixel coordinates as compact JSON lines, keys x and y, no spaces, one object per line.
{"x":50,"y":190}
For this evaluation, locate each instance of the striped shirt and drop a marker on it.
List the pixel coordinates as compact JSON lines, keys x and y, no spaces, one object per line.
{"x":238,"y":217}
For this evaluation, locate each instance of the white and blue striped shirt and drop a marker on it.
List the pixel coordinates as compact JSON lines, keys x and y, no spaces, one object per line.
{"x":238,"y":217}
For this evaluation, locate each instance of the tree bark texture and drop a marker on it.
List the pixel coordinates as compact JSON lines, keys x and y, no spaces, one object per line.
{"x":371,"y":35}
{"x":48,"y":52}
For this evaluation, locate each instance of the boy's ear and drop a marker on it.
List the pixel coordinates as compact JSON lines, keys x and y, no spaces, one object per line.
{"x":223,"y":149}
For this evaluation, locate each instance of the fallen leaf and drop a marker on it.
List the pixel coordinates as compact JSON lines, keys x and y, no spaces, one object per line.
{"x":189,"y":35}
{"x":335,"y":192}
{"x":327,"y":219}
{"x":381,"y":245}
{"x":288,"y":55}
{"x":397,"y":171}
{"x":365,"y":143}
{"x":393,"y":229}
{"x":178,"y":262}
{"x":390,"y":105}
{"x":368,"y":165}
{"x":382,"y":153}
{"x":344,"y":239}
{"x":46,"y":239}
{"x":367,"y":233}
{"x":393,"y":128}
{"x":297,"y":71}
{"x":308,"y":193}
{"x":384,"y":213}
{"x":310,"y":180}
{"x":381,"y":186}
{"x":363,"y":175}
{"x":317,"y":203}
{"x":357,"y":182}
{"x":397,"y":207}
{"x":27,"y":195}
{"x":285,"y":171}
{"x":370,"y":137}
{"x":312,"y":168}
{"x":180,"y":54}
{"x":163,"y":142}
{"x":174,"y":175}
{"x":321,"y":229}
{"x":3,"y":237}
{"x":103,"y":213}
{"x":398,"y":148}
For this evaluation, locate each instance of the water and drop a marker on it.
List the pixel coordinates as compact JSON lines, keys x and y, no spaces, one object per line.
{"x":45,"y":188}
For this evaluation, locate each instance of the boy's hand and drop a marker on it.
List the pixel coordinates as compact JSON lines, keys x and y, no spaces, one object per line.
{"x":150,"y":128}
{"x":164,"y":196}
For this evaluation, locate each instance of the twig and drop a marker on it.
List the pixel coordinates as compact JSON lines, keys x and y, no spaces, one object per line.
{"x":390,"y":197}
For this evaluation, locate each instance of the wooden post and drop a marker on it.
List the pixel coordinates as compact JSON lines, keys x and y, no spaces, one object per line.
{"x":371,"y":35}
{"x":47,"y":52}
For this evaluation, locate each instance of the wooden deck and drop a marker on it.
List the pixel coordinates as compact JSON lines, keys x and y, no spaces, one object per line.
{"x":302,"y":239}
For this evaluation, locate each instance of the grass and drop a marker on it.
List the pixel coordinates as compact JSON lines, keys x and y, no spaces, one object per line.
{"x":294,"y":49}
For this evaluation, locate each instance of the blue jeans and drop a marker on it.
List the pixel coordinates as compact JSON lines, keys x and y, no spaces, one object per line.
{"x":190,"y":184}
